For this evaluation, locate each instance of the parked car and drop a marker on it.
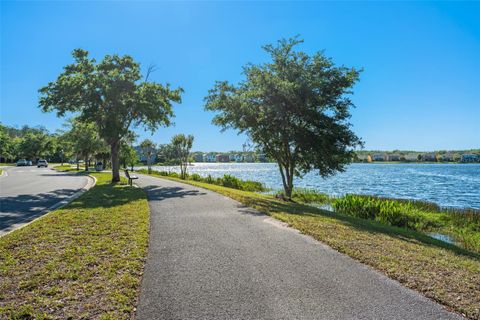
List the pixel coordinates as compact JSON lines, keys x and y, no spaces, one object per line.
{"x":29,"y":163}
{"x":42,"y":163}
{"x":22,"y":162}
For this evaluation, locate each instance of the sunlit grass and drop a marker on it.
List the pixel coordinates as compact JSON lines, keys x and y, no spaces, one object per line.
{"x":82,"y":261}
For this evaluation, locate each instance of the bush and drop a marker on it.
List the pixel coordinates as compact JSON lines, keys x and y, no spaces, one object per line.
{"x":309,"y":196}
{"x":196,"y":177}
{"x":399,"y":214}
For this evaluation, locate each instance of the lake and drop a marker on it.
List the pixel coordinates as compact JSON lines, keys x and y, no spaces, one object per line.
{"x":449,"y":185}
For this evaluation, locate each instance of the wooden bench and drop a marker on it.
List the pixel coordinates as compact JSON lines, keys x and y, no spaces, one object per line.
{"x":130,"y":178}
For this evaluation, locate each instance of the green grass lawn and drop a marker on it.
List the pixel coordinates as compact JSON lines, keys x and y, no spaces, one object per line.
{"x":445,"y":273}
{"x":83,"y":261}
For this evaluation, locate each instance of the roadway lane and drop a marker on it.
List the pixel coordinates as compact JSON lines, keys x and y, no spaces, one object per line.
{"x":26,"y":193}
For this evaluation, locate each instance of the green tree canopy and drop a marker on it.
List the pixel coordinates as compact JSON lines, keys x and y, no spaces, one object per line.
{"x":295,"y":108}
{"x":182,"y":145}
{"x":111,"y":94}
{"x":84,"y":139}
{"x":148,"y":150}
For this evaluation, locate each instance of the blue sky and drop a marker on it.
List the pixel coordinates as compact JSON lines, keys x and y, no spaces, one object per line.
{"x":419,"y":90}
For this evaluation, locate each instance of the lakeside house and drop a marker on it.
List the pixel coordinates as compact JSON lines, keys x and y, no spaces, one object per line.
{"x":238,"y":158}
{"x":429,"y":157}
{"x":222,"y":158}
{"x":447,"y":157}
{"x":249,"y":158}
{"x":469,"y":158}
{"x":198,"y":157}
{"x":209,"y":157}
{"x":393,"y":157}
{"x":379,"y":157}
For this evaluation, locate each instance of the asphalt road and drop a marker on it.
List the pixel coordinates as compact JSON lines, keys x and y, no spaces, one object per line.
{"x":27,"y":192}
{"x":212,"y":258}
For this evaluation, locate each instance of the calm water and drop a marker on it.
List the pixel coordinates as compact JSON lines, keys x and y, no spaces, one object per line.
{"x":449,"y":185}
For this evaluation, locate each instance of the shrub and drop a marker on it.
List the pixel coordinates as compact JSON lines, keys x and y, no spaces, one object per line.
{"x":309,"y":196}
{"x":196,"y":177}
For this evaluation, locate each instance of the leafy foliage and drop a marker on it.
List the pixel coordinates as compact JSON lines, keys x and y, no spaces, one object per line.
{"x":182,"y":145}
{"x":112,"y":95}
{"x":295,"y":108}
{"x":148,"y":150}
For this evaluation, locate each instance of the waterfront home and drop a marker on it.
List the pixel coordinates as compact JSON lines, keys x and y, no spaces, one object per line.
{"x":238,"y":158}
{"x":209,"y":157}
{"x":447,"y":157}
{"x":411,"y":157}
{"x":469,"y":158}
{"x":362,"y":157}
{"x":198,"y":157}
{"x":222,"y":158}
{"x":249,"y":158}
{"x":379,"y":157}
{"x":393,"y":157}
{"x":231,"y":157}
{"x":430,"y":157}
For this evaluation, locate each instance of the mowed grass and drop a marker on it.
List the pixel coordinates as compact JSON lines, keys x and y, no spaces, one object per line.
{"x":445,"y":273}
{"x":84,"y":261}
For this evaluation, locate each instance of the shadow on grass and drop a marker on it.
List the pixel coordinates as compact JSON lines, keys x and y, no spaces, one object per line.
{"x":160,"y":193}
{"x":275,"y":206}
{"x":106,"y":196}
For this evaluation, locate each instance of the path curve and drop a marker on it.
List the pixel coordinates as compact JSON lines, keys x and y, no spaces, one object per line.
{"x":212,"y":258}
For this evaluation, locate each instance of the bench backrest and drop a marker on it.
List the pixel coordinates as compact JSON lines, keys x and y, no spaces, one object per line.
{"x":127,"y":174}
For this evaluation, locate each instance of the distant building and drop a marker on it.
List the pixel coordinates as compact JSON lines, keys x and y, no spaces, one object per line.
{"x":362,"y":157}
{"x":209,"y":157}
{"x":238,"y":158}
{"x":469,"y":158}
{"x":411,"y":157}
{"x":379,"y":157}
{"x":249,"y":158}
{"x":198,"y":157}
{"x":222,"y":158}
{"x":430,"y":157}
{"x":231,"y":157}
{"x":393,"y":157}
{"x":447,"y":157}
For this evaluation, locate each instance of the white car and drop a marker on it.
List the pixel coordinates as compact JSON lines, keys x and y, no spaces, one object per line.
{"x":22,"y":162}
{"x":42,"y":163}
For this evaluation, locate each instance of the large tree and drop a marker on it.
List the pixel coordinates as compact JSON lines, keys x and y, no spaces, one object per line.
{"x":182,"y":145}
{"x":295,"y":108}
{"x":112,"y":94}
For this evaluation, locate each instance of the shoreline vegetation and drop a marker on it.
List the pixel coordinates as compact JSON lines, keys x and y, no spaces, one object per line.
{"x":443,"y":272}
{"x":82,"y":261}
{"x":457,"y":226}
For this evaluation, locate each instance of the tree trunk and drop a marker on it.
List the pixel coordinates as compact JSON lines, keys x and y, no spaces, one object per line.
{"x":86,"y":163}
{"x":114,"y":147}
{"x":287,"y":180}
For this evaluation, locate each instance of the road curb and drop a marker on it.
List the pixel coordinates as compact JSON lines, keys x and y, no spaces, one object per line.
{"x":91,"y":182}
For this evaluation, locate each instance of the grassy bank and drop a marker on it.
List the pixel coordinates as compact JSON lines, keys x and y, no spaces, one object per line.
{"x":442,"y":272}
{"x":83,"y":261}
{"x":227,"y":180}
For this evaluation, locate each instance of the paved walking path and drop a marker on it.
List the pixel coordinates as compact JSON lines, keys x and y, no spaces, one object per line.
{"x":211,"y":258}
